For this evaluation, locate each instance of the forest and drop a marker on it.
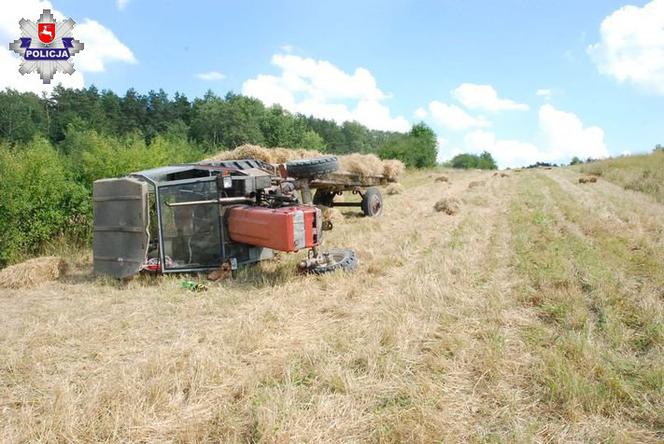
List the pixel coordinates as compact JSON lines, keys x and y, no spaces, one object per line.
{"x":52,"y":148}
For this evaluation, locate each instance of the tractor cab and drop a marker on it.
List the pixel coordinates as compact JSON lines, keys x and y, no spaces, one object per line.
{"x":170,"y":219}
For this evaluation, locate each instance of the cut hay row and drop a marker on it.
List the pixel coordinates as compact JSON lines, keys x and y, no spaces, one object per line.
{"x":362,"y":164}
{"x":33,"y":272}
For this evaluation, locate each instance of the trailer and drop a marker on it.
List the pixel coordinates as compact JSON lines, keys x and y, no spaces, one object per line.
{"x":322,"y":175}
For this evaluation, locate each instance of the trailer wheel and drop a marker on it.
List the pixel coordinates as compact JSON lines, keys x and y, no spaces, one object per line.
{"x":372,"y":202}
{"x":324,"y":198}
{"x":304,"y":168}
{"x":340,"y":259}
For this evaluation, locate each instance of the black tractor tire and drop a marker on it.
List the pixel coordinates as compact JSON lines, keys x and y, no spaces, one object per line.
{"x":372,"y":202}
{"x":324,"y":198}
{"x":344,"y":259}
{"x":305,"y":168}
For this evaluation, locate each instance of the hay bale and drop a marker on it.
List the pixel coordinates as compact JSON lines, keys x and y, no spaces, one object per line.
{"x":476,"y":183}
{"x":33,"y":272}
{"x":394,"y":188}
{"x":588,"y":179}
{"x":393,"y":169}
{"x":362,"y":164}
{"x":442,"y":178}
{"x":223,"y":272}
{"x":448,"y":205}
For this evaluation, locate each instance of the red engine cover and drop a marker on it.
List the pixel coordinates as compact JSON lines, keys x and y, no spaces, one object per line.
{"x":283,"y":229}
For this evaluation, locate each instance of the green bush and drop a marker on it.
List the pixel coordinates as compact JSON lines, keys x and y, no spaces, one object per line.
{"x":483,"y":161}
{"x":40,"y":201}
{"x":94,"y":156}
{"x":416,"y":149}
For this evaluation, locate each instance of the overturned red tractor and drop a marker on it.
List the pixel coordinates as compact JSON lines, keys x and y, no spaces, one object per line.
{"x":197,"y":217}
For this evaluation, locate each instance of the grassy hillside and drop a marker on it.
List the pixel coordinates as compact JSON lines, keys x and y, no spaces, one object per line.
{"x":534,"y":314}
{"x":644,"y":173}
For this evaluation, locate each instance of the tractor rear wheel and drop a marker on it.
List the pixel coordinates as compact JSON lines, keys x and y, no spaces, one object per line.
{"x":305,"y":168}
{"x":372,"y":202}
{"x":338,"y":259}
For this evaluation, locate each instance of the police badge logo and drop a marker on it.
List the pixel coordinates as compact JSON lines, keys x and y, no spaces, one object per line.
{"x":46,"y":46}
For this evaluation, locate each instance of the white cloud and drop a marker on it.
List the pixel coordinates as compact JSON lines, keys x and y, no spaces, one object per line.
{"x":121,"y":4}
{"x":631,"y":46}
{"x":287,"y":48}
{"x":562,"y":136}
{"x":453,"y":117}
{"x":211,"y":75}
{"x":507,"y":153}
{"x":421,"y":113}
{"x":101,"y":47}
{"x":484,"y":97}
{"x":544,"y":92}
{"x":566,"y":136}
{"x":319,"y":88}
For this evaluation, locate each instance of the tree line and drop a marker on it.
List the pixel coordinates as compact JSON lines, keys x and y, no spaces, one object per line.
{"x":52,"y":148}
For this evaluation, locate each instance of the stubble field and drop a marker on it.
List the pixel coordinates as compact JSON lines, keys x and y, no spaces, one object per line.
{"x":533,"y":314}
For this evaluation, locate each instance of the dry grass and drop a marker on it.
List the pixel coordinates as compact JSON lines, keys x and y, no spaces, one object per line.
{"x":33,"y":272}
{"x":534,"y":317}
{"x":394,"y":188}
{"x":442,"y":178}
{"x":476,"y":183}
{"x":644,"y":173}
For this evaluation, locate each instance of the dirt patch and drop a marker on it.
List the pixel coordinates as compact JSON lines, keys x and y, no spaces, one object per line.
{"x":33,"y":272}
{"x":448,"y":205}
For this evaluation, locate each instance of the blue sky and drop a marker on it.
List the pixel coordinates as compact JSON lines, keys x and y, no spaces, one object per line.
{"x":471,"y":69}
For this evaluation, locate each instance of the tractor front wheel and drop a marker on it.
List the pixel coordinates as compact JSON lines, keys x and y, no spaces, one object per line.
{"x":336,"y":259}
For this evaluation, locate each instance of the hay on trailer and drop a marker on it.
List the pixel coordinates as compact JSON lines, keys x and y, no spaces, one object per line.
{"x":361,"y":164}
{"x":448,"y":205}
{"x":394,"y":188}
{"x":476,"y":183}
{"x":442,"y":178}
{"x":269,"y":155}
{"x":393,"y":169}
{"x":33,"y":272}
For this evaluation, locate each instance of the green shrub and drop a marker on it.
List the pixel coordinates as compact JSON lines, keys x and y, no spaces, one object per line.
{"x":94,"y":156}
{"x":40,"y":201}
